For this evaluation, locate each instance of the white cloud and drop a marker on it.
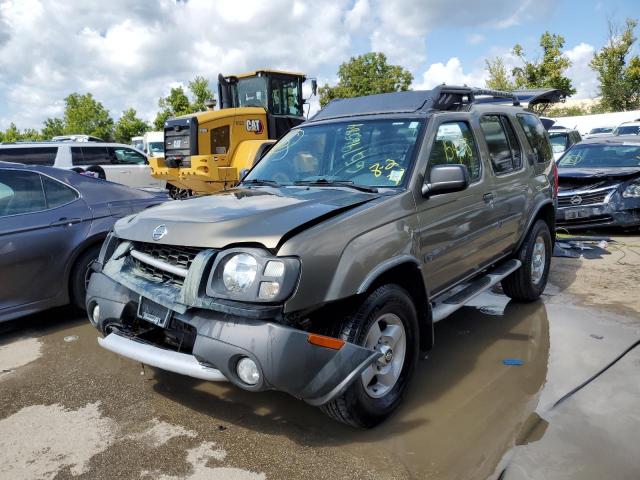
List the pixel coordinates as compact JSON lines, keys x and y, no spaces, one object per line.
{"x":585,"y":80}
{"x":130,"y":53}
{"x":450,"y":73}
{"x":359,"y":16}
{"x":475,"y":38}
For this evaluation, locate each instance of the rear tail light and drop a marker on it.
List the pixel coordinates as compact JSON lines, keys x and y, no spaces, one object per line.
{"x":555,"y":180}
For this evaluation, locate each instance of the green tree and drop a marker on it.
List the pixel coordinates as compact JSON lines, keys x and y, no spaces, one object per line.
{"x":546,"y":72}
{"x":12,"y":134}
{"x":173,"y":105}
{"x":52,"y":128}
{"x":85,"y":115}
{"x":366,"y":75}
{"x":199,"y":88}
{"x":499,"y":77}
{"x":618,"y":74}
{"x":31,"y":135}
{"x":128,"y":126}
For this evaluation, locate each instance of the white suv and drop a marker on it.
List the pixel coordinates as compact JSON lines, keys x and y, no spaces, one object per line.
{"x":628,"y":128}
{"x":111,"y":161}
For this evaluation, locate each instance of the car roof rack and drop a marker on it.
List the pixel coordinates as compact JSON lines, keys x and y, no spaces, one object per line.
{"x":441,"y":98}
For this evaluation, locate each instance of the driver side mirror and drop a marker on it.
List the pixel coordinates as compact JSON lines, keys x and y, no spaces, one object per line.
{"x":446,"y":179}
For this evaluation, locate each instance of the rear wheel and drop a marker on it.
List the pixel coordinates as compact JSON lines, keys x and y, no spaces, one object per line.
{"x":80,"y":274}
{"x":388,"y":322}
{"x":98,"y":171}
{"x":529,"y":281}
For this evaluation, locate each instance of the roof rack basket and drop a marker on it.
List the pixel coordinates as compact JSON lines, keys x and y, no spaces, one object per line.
{"x":446,"y":97}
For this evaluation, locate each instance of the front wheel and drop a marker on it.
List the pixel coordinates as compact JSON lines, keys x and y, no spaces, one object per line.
{"x":386,"y":321}
{"x":528,"y":282}
{"x":80,"y":274}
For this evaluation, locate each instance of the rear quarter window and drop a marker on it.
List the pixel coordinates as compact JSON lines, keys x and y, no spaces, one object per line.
{"x":30,"y":155}
{"x":537,"y":137}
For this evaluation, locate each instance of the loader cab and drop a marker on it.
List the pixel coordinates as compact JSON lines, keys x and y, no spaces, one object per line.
{"x":279,"y":93}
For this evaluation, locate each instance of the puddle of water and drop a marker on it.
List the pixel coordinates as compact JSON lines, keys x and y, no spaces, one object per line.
{"x":18,"y":353}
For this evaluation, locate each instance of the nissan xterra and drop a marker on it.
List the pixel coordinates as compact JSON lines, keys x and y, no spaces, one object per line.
{"x":323,"y":272}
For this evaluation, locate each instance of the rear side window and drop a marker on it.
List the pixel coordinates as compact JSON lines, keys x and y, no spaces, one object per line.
{"x":57,"y":194}
{"x":454,"y":144}
{"x":502,"y":142}
{"x":220,"y":140}
{"x":20,"y":193}
{"x":89,"y":156}
{"x":126,"y":156}
{"x":537,"y":137}
{"x":29,"y":156}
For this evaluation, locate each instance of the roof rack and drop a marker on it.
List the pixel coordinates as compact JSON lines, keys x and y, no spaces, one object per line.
{"x":445,"y":97}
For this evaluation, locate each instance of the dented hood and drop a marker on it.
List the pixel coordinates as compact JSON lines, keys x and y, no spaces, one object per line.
{"x":261,"y":215}
{"x":595,"y":173}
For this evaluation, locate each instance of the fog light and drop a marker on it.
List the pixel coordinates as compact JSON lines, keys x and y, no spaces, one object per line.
{"x":247,"y":370}
{"x":268,"y":290}
{"x":95,"y":314}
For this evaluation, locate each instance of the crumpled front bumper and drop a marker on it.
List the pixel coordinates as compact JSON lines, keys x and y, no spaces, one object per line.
{"x":286,"y":359}
{"x":614,"y":212}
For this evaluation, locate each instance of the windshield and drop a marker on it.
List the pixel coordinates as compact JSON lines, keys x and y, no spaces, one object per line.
{"x":601,"y":156}
{"x":156,"y":147}
{"x":252,"y":92}
{"x":558,"y":142}
{"x":375,"y":153}
{"x":138,"y":144}
{"x":628,"y":130}
{"x":601,"y":130}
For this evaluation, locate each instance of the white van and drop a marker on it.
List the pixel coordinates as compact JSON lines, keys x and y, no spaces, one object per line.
{"x":138,"y":142}
{"x":154,"y":144}
{"x":111,"y":161}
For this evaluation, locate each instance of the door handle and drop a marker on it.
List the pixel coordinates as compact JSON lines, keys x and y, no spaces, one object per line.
{"x":65,"y":222}
{"x":488,"y":197}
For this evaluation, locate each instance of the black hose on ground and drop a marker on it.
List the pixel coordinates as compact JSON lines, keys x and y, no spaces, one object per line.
{"x":596,"y":375}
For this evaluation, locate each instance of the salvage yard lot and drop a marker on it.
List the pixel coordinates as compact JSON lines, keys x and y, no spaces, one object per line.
{"x":69,"y":409}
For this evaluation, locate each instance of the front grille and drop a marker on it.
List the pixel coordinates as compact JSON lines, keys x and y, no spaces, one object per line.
{"x":172,"y":255}
{"x":586,"y":198}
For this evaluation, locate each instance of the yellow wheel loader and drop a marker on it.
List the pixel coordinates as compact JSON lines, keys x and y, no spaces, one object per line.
{"x":209,"y":151}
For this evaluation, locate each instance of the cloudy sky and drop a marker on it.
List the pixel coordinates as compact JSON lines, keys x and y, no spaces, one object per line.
{"x":129,"y":53}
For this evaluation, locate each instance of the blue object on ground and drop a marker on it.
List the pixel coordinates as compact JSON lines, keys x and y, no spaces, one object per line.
{"x":513,"y":361}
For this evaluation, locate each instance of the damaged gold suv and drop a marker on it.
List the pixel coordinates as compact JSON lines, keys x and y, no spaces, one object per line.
{"x":323,"y":272}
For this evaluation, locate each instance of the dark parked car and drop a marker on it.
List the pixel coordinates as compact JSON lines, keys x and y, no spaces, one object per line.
{"x":600,"y":183}
{"x":52,"y":223}
{"x":323,"y":273}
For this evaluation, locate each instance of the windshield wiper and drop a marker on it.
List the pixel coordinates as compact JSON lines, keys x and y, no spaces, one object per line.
{"x":320,"y":182}
{"x":258,"y":181}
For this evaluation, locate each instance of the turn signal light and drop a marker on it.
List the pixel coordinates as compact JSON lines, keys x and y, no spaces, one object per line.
{"x":322,"y":341}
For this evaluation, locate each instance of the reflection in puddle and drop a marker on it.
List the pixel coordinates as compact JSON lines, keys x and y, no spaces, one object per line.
{"x":464,"y":408}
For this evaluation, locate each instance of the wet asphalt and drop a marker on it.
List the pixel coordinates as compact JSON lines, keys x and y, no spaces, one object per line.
{"x":69,"y":409}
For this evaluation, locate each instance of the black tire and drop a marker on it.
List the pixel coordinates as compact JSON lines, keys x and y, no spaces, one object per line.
{"x":179,"y":193}
{"x":80,"y":276}
{"x":98,"y":171}
{"x":355,"y":407}
{"x":520,"y":285}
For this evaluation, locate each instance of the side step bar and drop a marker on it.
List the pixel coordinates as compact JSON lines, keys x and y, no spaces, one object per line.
{"x":445,"y":307}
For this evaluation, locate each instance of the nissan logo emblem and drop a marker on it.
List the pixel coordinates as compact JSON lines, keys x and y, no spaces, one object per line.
{"x":575,"y":200}
{"x":159,"y":232}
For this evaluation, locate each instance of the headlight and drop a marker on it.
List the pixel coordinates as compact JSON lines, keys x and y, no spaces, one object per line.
{"x":632,"y":191}
{"x":252,"y":275}
{"x":239,"y":272}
